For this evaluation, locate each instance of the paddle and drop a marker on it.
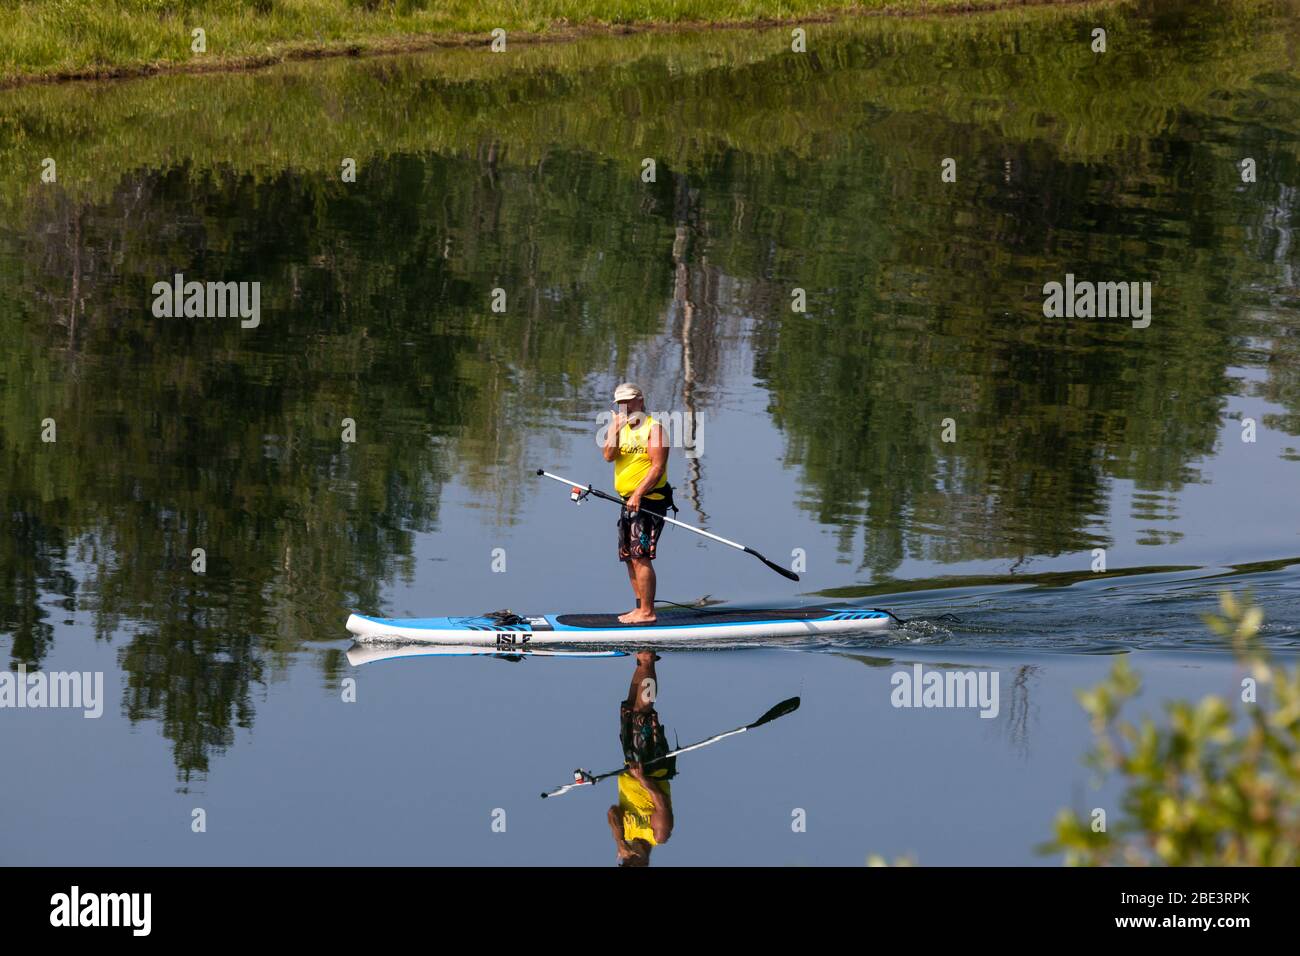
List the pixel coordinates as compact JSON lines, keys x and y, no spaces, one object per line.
{"x":582,"y":491}
{"x":582,"y":778}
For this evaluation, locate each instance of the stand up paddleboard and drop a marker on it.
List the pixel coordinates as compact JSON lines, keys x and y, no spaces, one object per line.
{"x":694,"y":626}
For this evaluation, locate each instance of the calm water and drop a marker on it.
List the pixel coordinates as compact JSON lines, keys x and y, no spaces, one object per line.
{"x":1074,"y":440}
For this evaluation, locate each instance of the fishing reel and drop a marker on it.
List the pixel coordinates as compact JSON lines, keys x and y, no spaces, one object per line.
{"x":579,"y":495}
{"x":582,"y":777}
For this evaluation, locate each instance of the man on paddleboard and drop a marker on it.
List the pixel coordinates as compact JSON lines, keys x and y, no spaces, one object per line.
{"x":637,"y":446}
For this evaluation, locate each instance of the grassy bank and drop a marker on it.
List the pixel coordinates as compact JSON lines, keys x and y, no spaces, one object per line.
{"x":68,"y":39}
{"x":693,"y":95}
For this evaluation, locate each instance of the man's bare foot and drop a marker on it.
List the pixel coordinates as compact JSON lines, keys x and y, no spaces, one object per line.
{"x":638,"y":617}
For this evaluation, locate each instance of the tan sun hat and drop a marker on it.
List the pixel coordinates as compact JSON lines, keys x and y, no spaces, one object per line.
{"x":627,"y":392}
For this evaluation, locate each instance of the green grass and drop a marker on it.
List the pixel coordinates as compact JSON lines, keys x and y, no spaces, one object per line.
{"x":64,"y":38}
{"x":694,"y":94}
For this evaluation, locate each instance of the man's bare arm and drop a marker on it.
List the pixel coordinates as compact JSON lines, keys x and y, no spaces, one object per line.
{"x":610,"y":449}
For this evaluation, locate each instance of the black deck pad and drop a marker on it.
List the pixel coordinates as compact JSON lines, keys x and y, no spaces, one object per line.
{"x":692,"y":618}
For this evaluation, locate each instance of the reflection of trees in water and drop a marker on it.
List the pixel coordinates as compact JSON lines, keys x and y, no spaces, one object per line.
{"x":33,"y":571}
{"x":197,"y":683}
{"x":684,"y":309}
{"x":682,"y":367}
{"x":1048,"y":413}
{"x":1019,"y":708}
{"x":176,"y":434}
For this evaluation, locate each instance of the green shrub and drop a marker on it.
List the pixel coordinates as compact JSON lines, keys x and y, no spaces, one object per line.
{"x":1211,"y":786}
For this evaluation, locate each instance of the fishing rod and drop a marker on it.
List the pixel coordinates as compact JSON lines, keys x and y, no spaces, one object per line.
{"x":580,"y":491}
{"x":583,"y":778}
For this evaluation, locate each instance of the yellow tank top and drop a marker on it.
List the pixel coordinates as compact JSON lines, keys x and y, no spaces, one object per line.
{"x":633,"y":461}
{"x":636,"y":806}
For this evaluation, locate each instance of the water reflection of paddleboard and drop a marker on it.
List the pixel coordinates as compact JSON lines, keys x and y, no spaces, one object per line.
{"x":359,"y":654}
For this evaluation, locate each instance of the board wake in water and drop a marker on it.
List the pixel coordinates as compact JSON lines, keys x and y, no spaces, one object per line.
{"x":505,"y":629}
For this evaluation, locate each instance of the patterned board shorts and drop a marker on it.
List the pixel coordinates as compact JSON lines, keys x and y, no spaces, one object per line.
{"x":638,"y":535}
{"x":644,"y":739}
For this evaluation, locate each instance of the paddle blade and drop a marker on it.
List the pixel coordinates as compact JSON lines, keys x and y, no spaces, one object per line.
{"x":784,"y":572}
{"x":787,"y":706}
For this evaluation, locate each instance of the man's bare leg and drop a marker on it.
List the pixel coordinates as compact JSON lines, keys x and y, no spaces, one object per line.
{"x":642,"y":573}
{"x":631,"y":579}
{"x":644,"y":690}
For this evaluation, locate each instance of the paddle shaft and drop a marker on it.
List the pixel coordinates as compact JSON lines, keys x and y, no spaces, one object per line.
{"x":588,"y":489}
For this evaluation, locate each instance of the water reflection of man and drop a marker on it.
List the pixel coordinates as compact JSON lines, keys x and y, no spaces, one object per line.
{"x":643,"y":818}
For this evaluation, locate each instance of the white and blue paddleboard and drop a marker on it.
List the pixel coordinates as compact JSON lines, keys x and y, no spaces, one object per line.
{"x":691,"y":626}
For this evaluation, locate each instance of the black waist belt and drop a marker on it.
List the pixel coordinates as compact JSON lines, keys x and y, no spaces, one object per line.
{"x":664,"y":502}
